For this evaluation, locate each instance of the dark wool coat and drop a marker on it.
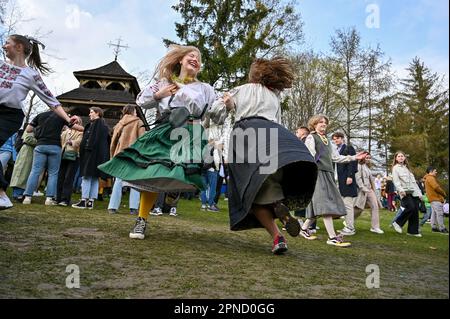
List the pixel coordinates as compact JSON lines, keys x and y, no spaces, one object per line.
{"x":94,"y":149}
{"x":347,"y":170}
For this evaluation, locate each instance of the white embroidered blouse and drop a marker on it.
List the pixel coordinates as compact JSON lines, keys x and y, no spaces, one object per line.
{"x":250,"y":100}
{"x":16,"y":82}
{"x":195,"y":97}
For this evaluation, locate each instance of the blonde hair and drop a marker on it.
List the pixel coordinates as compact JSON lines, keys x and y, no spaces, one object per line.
{"x":170,"y":63}
{"x":313,"y":121}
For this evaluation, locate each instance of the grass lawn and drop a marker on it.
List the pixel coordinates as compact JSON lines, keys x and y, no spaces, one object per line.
{"x":195,"y":255}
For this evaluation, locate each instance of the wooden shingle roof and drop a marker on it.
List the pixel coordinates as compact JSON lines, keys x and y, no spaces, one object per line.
{"x":98,"y":95}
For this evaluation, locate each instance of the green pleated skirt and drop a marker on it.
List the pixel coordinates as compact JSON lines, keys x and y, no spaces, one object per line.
{"x":164,"y":159}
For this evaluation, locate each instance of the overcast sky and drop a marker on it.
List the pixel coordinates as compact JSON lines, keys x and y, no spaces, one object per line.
{"x":81,"y":30}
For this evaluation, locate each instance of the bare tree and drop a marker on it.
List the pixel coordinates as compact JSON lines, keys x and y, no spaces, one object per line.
{"x":348,"y":86}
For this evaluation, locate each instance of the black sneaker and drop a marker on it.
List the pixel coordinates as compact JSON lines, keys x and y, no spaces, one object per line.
{"x":90,"y":204}
{"x":138,"y":231}
{"x":82,"y":204}
{"x":290,"y":223}
{"x":435,"y":230}
{"x":444,"y":231}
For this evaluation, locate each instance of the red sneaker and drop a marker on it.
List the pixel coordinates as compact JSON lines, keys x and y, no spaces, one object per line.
{"x":279,"y":245}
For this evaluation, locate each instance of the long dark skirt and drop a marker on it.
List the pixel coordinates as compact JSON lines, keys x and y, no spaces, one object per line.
{"x":283,"y":151}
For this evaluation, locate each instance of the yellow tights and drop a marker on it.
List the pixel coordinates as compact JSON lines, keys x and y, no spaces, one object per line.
{"x":147,"y":201}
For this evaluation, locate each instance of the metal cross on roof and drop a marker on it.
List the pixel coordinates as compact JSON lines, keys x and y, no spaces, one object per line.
{"x":117,"y":47}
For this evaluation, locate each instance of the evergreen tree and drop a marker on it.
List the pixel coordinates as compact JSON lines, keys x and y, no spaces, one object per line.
{"x":230,"y":34}
{"x":421,"y":121}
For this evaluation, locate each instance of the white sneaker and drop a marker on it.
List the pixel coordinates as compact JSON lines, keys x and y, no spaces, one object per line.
{"x":156,"y":212}
{"x":347,"y":231}
{"x":27,"y":200}
{"x":204,"y":207}
{"x":173,"y":212}
{"x":377,"y":230}
{"x":415,"y":235}
{"x":5,"y":202}
{"x":50,"y":202}
{"x":397,"y":227}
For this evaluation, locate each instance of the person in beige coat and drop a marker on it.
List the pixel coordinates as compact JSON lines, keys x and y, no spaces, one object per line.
{"x":367,"y":194}
{"x":22,"y":167}
{"x":125,"y":133}
{"x":70,"y":143}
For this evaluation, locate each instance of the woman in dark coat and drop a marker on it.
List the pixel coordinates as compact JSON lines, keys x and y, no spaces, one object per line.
{"x":94,"y":150}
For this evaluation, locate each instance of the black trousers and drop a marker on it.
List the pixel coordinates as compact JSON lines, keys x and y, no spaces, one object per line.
{"x":66,"y":176}
{"x":220,"y":180}
{"x":410,"y":214}
{"x":10,"y":122}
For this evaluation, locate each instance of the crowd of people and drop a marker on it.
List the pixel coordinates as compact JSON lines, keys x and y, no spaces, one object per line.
{"x":336,"y":181}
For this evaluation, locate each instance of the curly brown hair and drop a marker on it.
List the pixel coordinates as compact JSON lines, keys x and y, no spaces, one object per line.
{"x":275,"y":73}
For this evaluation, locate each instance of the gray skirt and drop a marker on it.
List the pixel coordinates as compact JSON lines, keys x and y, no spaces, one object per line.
{"x":326,"y":199}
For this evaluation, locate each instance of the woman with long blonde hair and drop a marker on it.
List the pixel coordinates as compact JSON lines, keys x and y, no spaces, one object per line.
{"x":161,"y":161}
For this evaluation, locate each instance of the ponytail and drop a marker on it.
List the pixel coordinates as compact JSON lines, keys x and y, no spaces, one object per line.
{"x":31,"y":51}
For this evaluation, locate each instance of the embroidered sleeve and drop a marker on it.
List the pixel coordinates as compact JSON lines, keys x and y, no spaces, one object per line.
{"x":43,"y":92}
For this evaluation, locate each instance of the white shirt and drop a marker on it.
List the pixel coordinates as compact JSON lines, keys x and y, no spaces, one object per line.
{"x":310,"y":143}
{"x":194,"y":96}
{"x":16,"y":82}
{"x":250,"y":100}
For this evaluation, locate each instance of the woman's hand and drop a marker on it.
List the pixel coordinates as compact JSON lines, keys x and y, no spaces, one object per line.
{"x":361,"y":155}
{"x":228,"y":101}
{"x":166,"y":91}
{"x":402,"y":194}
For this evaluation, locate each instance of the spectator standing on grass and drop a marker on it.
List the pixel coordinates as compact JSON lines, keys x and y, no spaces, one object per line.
{"x":210,"y":172}
{"x":125,"y":133}
{"x":47,"y":129}
{"x":436,"y":195}
{"x":390,"y":193}
{"x":70,"y":162}
{"x":22,"y":167}
{"x":94,"y":150}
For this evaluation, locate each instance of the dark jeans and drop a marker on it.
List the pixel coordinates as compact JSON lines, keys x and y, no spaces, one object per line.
{"x":66,"y":176}
{"x":10,"y":122}
{"x":410,"y":214}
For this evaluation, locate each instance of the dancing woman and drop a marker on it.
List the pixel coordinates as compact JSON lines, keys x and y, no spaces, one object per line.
{"x":18,"y":76}
{"x":257,"y":194}
{"x":153,"y":164}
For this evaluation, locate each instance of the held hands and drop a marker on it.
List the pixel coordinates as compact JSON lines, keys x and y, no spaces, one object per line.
{"x":166,"y":91}
{"x":361,"y":155}
{"x":349,"y":181}
{"x":228,"y":101}
{"x":402,"y":194}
